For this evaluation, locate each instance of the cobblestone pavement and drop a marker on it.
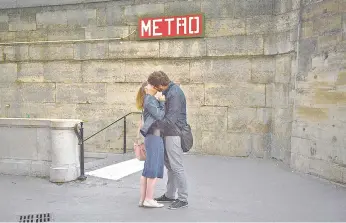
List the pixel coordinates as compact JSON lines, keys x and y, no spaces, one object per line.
{"x":221,"y":189}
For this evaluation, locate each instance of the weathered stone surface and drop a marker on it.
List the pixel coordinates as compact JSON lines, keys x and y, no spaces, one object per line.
{"x":48,"y":110}
{"x":98,"y":71}
{"x":4,"y":22}
{"x":182,"y":7}
{"x":260,"y":145}
{"x":283,"y":69}
{"x":226,"y":144}
{"x":325,"y":24}
{"x":249,"y":120}
{"x":138,"y":71}
{"x":280,"y":95}
{"x":224,"y":27}
{"x":235,"y":45}
{"x":16,"y":53}
{"x":51,"y":52}
{"x":213,"y":119}
{"x":133,"y":12}
{"x":269,"y":95}
{"x":220,"y":70}
{"x":65,"y":72}
{"x":329,"y":42}
{"x":224,"y":9}
{"x":8,"y":73}
{"x":36,"y":92}
{"x":7,"y":37}
{"x":320,"y":8}
{"x":66,"y":34}
{"x":183,"y":48}
{"x":32,"y":36}
{"x":81,"y":18}
{"x":279,"y":43}
{"x":30,"y":72}
{"x":300,"y":163}
{"x":115,"y":15}
{"x":106,"y":32}
{"x":122,"y":93}
{"x":251,"y":8}
{"x":283,"y":6}
{"x":260,"y":24}
{"x":21,"y":22}
{"x":80,"y":93}
{"x":326,"y":169}
{"x":85,"y":51}
{"x":130,"y":49}
{"x":51,"y":19}
{"x":235,"y":95}
{"x":263,"y":70}
{"x":287,"y":21}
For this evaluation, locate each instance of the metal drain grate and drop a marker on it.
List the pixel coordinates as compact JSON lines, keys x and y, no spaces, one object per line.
{"x":47,"y":217}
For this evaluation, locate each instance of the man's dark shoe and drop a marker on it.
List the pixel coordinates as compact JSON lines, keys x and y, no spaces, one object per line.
{"x":178,"y":204}
{"x":164,"y":199}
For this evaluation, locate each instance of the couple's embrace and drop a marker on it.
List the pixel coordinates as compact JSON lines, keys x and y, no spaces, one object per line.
{"x":164,"y":115}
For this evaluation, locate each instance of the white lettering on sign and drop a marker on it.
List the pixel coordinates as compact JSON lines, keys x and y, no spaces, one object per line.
{"x":179,"y":24}
{"x":169,"y":20}
{"x":190,"y":25}
{"x":155,"y":27}
{"x":146,"y":27}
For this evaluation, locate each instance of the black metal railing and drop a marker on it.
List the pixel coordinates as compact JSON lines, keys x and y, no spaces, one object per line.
{"x":80,"y":133}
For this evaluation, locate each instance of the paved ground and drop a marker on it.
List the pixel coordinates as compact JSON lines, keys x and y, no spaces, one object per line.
{"x":221,"y":189}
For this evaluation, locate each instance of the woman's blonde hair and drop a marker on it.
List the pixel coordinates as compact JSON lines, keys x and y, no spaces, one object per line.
{"x":140,"y":96}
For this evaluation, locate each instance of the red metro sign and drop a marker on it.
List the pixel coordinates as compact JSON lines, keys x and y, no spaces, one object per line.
{"x":171,"y":27}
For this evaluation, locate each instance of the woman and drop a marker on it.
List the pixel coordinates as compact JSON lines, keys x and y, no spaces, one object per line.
{"x":153,"y":111}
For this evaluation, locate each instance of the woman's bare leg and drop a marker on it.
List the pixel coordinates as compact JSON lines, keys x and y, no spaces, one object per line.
{"x":143,"y":188}
{"x":151,"y":182}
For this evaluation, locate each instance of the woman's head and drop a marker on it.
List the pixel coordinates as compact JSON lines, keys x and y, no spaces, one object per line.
{"x":146,"y":88}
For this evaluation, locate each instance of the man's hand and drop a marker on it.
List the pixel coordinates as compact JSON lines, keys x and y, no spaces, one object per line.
{"x":159,"y":96}
{"x":150,"y":90}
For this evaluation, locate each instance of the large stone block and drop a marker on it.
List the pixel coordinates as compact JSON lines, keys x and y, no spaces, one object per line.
{"x":224,"y":27}
{"x":260,"y":146}
{"x":260,"y":24}
{"x":31,"y":36}
{"x":300,"y":163}
{"x":133,"y":12}
{"x":223,"y":9}
{"x":89,"y":112}
{"x":130,"y":49}
{"x":251,"y":8}
{"x":213,"y":119}
{"x":8,"y":94}
{"x":327,"y":24}
{"x":284,"y":6}
{"x":84,"y":51}
{"x":8,"y":73}
{"x":279,"y":43}
{"x":97,"y":71}
{"x":287,"y":21}
{"x":30,"y":72}
{"x":122,"y":93}
{"x":280,"y":95}
{"x":66,"y":34}
{"x":81,"y":17}
{"x":51,"y":19}
{"x":249,"y":120}
{"x":22,"y":21}
{"x":220,"y":70}
{"x":269,"y":95}
{"x":183,"y":48}
{"x":182,"y":7}
{"x":235,"y":45}
{"x":319,"y":8}
{"x":263,"y":70}
{"x":48,"y":110}
{"x":235,"y":95}
{"x":139,"y":70}
{"x":35,"y":92}
{"x":216,"y":143}
{"x":51,"y":52}
{"x":6,"y":37}
{"x":16,"y":53}
{"x":106,"y":32}
{"x":283,"y":66}
{"x":326,"y":170}
{"x":66,"y":72}
{"x":4,"y":22}
{"x":329,"y":42}
{"x":81,"y":93}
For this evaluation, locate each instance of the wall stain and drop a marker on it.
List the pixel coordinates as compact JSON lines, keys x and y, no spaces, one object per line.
{"x":325,"y":96}
{"x":313,"y":114}
{"x":341,"y":79}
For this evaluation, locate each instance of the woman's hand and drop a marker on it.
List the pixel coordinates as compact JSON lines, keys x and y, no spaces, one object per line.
{"x":159,"y":96}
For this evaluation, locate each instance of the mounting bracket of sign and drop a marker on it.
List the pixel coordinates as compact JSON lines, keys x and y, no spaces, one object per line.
{"x":171,"y":27}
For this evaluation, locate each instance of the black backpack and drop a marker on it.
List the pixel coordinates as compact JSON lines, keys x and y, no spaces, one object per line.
{"x":186,"y":138}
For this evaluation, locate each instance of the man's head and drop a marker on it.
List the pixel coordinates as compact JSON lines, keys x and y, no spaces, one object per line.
{"x":159,"y":80}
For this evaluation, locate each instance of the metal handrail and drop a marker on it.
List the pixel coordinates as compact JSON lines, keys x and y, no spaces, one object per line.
{"x":80,"y":135}
{"x":123,"y":117}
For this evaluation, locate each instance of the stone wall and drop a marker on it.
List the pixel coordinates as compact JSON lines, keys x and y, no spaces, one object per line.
{"x":240,"y":80}
{"x":319,"y":119}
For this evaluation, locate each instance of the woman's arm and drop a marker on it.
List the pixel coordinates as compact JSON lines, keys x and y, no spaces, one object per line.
{"x":154,"y":107}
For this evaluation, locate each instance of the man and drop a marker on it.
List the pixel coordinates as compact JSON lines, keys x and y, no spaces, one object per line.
{"x":174,"y":120}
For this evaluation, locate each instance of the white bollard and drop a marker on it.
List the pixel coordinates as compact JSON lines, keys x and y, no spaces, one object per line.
{"x":65,"y":164}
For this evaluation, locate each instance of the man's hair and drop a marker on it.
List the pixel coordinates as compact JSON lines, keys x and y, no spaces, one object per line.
{"x":158,"y":78}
